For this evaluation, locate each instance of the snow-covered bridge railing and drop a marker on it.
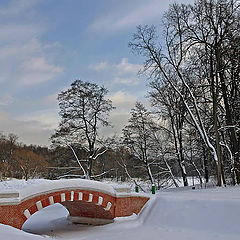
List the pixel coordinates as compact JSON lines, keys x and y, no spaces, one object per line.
{"x":87,"y":202}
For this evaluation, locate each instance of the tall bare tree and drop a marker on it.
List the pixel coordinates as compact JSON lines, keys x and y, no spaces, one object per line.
{"x":138,"y":137}
{"x":168,"y":104}
{"x":196,"y":33}
{"x":83,"y":110}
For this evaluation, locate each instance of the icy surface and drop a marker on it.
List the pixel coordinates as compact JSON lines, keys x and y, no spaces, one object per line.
{"x":209,"y":214}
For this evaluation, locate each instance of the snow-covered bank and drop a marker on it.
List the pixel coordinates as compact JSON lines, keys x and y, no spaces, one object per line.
{"x":10,"y":233}
{"x":210,"y":214}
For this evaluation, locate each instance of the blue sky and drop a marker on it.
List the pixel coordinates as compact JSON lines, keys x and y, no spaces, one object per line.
{"x":46,"y":44}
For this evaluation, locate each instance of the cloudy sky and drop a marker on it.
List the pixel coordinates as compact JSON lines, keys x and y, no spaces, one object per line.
{"x":46,"y":44}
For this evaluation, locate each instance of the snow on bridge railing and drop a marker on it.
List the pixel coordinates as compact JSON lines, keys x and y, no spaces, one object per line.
{"x":9,"y":194}
{"x":122,"y":189}
{"x":16,"y":196}
{"x":61,"y":185}
{"x":9,"y":197}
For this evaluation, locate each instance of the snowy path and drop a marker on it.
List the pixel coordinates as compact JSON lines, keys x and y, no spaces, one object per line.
{"x":212,"y":214}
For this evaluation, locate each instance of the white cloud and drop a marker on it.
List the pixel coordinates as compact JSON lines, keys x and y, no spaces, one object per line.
{"x":142,"y":13}
{"x":24,"y":58}
{"x":124,"y":73}
{"x":129,"y":81}
{"x":17,"y":7}
{"x":99,"y":66}
{"x":18,"y":32}
{"x":127,"y":73}
{"x":48,"y":118}
{"x":124,"y":67}
{"x":51,"y":99}
{"x":123,"y":100}
{"x":28,"y":62}
{"x":20,"y":51}
{"x":37,"y":70}
{"x":6,"y":100}
{"x":39,"y":65}
{"x":29,"y":131}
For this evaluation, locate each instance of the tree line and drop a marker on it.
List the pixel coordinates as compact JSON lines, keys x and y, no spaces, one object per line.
{"x":21,"y":161}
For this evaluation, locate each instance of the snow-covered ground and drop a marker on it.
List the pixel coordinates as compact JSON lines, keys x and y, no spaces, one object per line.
{"x":16,"y":184}
{"x":146,"y":185}
{"x":210,"y":214}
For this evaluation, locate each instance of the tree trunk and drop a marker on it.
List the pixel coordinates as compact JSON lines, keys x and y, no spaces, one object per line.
{"x":214,"y":91}
{"x":231,"y":130}
{"x":205,"y":166}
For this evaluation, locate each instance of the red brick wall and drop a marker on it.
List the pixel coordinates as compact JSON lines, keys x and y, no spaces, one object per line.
{"x":10,"y":215}
{"x":126,"y":206}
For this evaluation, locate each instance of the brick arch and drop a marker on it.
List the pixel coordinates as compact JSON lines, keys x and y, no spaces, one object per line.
{"x":79,"y":203}
{"x":92,"y":200}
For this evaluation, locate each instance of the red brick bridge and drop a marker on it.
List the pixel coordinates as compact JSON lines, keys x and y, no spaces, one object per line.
{"x":86,"y":201}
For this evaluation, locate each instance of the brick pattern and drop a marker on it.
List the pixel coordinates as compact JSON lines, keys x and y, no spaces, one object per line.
{"x":81,"y":203}
{"x":126,"y":206}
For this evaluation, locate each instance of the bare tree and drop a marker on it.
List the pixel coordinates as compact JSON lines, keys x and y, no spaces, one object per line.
{"x":137,"y":136}
{"x":7,"y":145}
{"x":30,"y":163}
{"x":83,"y":110}
{"x":168,"y":104}
{"x":194,"y":34}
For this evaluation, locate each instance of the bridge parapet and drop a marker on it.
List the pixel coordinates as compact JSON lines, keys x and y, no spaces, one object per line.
{"x":9,"y":197}
{"x":87,"y":202}
{"x":129,"y":203}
